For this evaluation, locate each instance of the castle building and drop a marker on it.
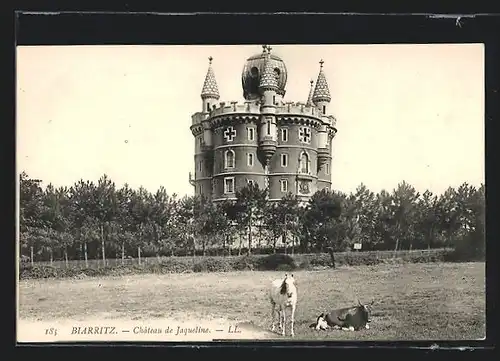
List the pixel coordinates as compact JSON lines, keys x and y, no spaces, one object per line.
{"x":264,"y":140}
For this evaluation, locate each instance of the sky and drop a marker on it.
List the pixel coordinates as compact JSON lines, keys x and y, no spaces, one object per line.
{"x":404,"y":112}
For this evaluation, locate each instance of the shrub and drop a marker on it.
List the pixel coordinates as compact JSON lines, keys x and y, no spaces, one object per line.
{"x":322,"y":260}
{"x":212,"y":265}
{"x":245,"y":263}
{"x":469,"y":248}
{"x":358,"y":259}
{"x":285,"y":268}
{"x":272,"y":262}
{"x":305,"y":264}
{"x":176,"y":265}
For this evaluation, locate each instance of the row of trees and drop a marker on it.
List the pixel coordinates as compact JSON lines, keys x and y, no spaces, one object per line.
{"x":100,"y":220}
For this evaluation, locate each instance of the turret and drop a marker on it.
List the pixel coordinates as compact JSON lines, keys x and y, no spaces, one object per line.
{"x":268,"y":88}
{"x":210,"y":90}
{"x":323,"y":146}
{"x":321,"y":96}
{"x":209,"y":95}
{"x":310,"y":102}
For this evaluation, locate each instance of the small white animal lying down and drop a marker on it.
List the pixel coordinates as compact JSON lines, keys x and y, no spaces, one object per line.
{"x":349,"y":318}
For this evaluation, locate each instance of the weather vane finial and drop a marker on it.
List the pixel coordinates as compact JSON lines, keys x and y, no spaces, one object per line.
{"x":269,"y":48}
{"x":264,"y":48}
{"x":312,"y":81}
{"x":321,"y":63}
{"x":210,"y":59}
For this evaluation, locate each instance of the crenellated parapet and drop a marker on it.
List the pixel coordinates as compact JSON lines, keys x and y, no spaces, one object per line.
{"x":235,"y":107}
{"x":298,"y":108}
{"x":199,"y":117}
{"x":293,"y":112}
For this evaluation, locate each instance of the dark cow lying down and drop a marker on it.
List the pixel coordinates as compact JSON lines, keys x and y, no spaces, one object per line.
{"x":348,"y":318}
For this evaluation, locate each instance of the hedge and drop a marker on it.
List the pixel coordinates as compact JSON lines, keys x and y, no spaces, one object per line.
{"x":274,"y":262}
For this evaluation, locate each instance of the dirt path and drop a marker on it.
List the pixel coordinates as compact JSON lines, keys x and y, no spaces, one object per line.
{"x":157,"y":330}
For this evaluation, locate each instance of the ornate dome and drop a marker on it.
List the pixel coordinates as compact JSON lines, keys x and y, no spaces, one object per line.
{"x":254,"y":68}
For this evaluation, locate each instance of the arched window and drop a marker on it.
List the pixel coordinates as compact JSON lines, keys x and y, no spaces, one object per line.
{"x":304,"y":163}
{"x":229,"y":159}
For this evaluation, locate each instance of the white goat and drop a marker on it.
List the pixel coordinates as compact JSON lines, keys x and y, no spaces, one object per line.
{"x":283,"y":295}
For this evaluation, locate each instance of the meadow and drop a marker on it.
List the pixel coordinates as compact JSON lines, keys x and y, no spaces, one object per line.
{"x":412,"y":301}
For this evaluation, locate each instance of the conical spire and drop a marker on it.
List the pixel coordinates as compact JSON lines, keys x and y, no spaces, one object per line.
{"x":210,"y":89}
{"x":269,"y":78}
{"x":310,"y":97}
{"x":321,"y":91}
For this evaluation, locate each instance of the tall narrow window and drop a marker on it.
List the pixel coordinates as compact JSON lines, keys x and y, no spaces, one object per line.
{"x":284,"y":160}
{"x":250,"y":133}
{"x":304,"y":163}
{"x":324,"y":109}
{"x":274,"y":99}
{"x":327,"y":168}
{"x":284,"y":134}
{"x":284,"y":185}
{"x":201,"y":189}
{"x":200,"y":166}
{"x":229,"y":185}
{"x":208,"y":107}
{"x":268,"y":127}
{"x":250,"y":159}
{"x":229,"y":159}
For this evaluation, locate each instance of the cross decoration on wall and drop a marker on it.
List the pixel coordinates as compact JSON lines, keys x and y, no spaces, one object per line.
{"x":229,"y":134}
{"x":305,"y":135}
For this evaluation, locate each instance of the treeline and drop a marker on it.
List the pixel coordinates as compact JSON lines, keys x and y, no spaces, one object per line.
{"x":99,"y":220}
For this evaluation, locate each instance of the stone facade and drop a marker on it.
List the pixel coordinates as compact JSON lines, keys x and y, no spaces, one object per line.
{"x":281,"y":145}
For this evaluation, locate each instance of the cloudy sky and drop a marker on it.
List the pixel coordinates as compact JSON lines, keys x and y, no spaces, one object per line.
{"x":404,"y":112}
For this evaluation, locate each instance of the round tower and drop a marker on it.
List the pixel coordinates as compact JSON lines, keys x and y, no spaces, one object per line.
{"x":284,"y":147}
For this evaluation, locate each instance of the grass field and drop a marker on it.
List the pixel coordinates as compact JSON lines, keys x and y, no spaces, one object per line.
{"x":441,"y":301}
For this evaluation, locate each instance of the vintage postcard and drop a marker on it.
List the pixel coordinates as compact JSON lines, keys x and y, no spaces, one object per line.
{"x":251,"y":192}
